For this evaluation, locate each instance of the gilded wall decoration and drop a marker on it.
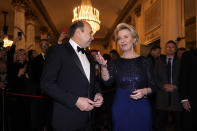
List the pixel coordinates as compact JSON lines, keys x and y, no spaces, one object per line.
{"x":152,"y":17}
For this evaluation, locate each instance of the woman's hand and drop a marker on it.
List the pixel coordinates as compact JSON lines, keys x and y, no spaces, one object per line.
{"x":101,"y":60}
{"x":138,"y":94}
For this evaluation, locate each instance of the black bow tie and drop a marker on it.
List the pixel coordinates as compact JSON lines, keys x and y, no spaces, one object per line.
{"x":80,"y":49}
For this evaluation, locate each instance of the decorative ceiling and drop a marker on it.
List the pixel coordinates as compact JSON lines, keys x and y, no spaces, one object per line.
{"x":61,"y":13}
{"x":58,"y":14}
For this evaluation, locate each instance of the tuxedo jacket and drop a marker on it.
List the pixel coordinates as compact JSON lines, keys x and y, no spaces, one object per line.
{"x":64,"y":80}
{"x":188,"y":79}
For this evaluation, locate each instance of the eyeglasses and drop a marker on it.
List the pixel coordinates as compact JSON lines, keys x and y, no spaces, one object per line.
{"x":170,"y":47}
{"x":44,"y":45}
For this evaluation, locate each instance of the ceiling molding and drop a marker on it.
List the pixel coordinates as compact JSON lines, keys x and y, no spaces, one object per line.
{"x":128,"y":6}
{"x":41,"y":8}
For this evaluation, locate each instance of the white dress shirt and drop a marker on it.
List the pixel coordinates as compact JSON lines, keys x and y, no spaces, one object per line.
{"x":43,"y":55}
{"x":83,"y":58}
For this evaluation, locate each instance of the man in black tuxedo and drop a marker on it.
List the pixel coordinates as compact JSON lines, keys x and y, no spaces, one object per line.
{"x":69,"y":77}
{"x":188,"y":89}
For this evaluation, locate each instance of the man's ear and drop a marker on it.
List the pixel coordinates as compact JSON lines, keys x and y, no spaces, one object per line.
{"x":78,"y":32}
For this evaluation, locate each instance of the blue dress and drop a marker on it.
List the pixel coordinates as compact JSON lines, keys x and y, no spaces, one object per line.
{"x":129,"y":75}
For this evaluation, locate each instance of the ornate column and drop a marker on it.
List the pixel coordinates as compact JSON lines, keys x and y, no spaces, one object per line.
{"x":19,"y":21}
{"x":181,"y":23}
{"x":172,"y":22}
{"x":136,"y":20}
{"x":30,"y":30}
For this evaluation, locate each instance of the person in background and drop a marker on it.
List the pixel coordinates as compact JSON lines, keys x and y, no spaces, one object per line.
{"x":97,"y":66}
{"x":17,"y":105}
{"x":108,"y":94}
{"x":114,"y":54}
{"x":3,"y":83}
{"x":133,"y":77}
{"x":188,"y":89}
{"x":31,"y":55}
{"x":167,"y":71}
{"x":180,"y":51}
{"x":40,"y":108}
{"x":154,"y":54}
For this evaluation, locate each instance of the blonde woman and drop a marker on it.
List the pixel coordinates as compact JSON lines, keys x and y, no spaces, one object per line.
{"x":133,"y":78}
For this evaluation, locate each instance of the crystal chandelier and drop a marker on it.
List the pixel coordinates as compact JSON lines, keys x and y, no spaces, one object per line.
{"x":7,"y":42}
{"x":87,"y":13}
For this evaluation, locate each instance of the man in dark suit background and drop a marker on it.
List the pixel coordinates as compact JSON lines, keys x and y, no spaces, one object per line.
{"x":36,"y":66}
{"x":188,"y":89}
{"x":69,"y":77}
{"x":40,"y":108}
{"x":167,"y":71}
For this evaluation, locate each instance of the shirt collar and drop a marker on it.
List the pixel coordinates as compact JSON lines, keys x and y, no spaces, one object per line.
{"x":43,"y":55}
{"x":73,"y":44}
{"x":168,"y":58}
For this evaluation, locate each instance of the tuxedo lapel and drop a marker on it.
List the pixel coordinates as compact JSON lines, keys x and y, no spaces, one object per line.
{"x":91,"y":67}
{"x":72,"y":53}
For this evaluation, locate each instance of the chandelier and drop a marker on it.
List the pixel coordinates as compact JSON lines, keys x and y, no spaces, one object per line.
{"x":87,"y":13}
{"x":7,"y":42}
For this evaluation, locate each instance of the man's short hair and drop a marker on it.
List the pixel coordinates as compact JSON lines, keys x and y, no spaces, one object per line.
{"x":43,"y":40}
{"x":74,"y":26}
{"x":155,"y":47}
{"x":171,"y":41}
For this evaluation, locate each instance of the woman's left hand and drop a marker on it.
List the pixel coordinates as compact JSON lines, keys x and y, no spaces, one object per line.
{"x":138,"y":94}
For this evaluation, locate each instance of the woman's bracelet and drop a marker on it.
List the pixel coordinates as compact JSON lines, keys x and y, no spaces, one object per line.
{"x":145,"y":92}
{"x":104,"y":66}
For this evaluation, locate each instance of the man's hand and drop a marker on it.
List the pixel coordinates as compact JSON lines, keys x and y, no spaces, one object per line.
{"x":186,"y":105}
{"x":21,"y":72}
{"x":169,"y":87}
{"x":98,"y":100}
{"x":62,"y":37}
{"x":84,"y":104}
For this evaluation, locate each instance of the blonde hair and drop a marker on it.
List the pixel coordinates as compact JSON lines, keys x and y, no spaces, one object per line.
{"x":130,"y":28}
